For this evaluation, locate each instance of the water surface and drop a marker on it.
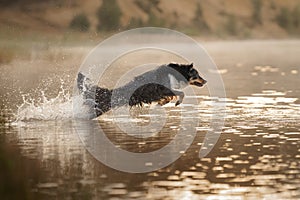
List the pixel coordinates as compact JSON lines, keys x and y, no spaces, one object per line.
{"x":256,"y":157}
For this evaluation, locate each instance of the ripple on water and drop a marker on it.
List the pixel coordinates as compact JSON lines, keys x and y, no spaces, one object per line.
{"x":292,"y":133}
{"x":47,"y":185}
{"x":224,"y":159}
{"x":269,"y":93}
{"x":271,"y":136}
{"x":116,"y":189}
{"x":245,"y":127}
{"x":231,"y":130}
{"x":225,"y":175}
{"x":248,"y":136}
{"x":193,"y":174}
{"x":241,"y":162}
{"x":256,"y":101}
{"x":173,"y":178}
{"x":218,"y":168}
{"x":117,"y":192}
{"x":169,"y":184}
{"x":135,"y":194}
{"x":219,"y":186}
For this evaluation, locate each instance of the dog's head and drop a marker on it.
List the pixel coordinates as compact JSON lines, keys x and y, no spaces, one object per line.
{"x":189,"y":73}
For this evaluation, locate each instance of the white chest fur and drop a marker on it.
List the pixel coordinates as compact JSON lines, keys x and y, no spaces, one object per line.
{"x":175,"y":84}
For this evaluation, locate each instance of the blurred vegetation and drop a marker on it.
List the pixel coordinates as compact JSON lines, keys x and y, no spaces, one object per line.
{"x":153,"y":20}
{"x":289,"y":20}
{"x":80,"y":23}
{"x":231,"y":25}
{"x":219,"y":21}
{"x":135,"y":23}
{"x":284,"y":19}
{"x":109,"y":15}
{"x":257,"y":5}
{"x":296,"y":16}
{"x":146,"y":6}
{"x":199,"y":21}
{"x":296,"y":19}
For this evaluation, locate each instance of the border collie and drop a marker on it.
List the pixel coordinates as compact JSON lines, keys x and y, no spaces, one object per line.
{"x":160,"y":85}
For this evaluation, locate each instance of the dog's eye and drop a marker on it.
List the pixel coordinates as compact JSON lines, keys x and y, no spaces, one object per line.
{"x":193,"y":73}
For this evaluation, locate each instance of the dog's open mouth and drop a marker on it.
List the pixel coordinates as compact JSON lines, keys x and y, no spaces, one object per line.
{"x":198,"y":83}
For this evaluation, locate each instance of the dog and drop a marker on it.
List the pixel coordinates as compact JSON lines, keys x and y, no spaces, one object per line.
{"x":160,"y":85}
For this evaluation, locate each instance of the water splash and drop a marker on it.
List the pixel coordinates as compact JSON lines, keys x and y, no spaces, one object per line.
{"x":44,"y":108}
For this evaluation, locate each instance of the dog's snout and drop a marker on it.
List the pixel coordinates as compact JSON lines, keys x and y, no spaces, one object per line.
{"x":201,"y":80}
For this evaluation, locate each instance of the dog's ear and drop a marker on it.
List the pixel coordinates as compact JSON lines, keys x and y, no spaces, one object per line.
{"x":190,"y":65}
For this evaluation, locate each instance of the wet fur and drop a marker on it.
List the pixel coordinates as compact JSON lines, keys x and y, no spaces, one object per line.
{"x":150,"y":90}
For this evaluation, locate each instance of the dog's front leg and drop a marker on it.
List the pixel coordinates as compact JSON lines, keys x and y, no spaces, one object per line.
{"x":180,"y":95}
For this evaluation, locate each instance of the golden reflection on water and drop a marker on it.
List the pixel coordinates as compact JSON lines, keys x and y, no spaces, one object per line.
{"x":256,"y":157}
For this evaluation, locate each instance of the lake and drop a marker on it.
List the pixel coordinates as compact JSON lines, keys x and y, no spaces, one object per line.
{"x":257,"y":155}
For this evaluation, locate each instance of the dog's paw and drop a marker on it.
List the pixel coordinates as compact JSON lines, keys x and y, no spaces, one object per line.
{"x":178,"y":102}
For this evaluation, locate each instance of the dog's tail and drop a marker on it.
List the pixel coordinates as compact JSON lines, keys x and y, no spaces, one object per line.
{"x":98,"y":99}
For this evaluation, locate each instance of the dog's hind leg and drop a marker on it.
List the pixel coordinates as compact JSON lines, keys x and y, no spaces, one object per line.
{"x":97,"y":99}
{"x":165,"y":100}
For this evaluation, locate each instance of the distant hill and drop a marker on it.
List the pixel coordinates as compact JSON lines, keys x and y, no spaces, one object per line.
{"x":221,"y":18}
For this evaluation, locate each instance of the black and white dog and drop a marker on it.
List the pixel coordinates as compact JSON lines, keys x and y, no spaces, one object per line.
{"x":160,"y":85}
